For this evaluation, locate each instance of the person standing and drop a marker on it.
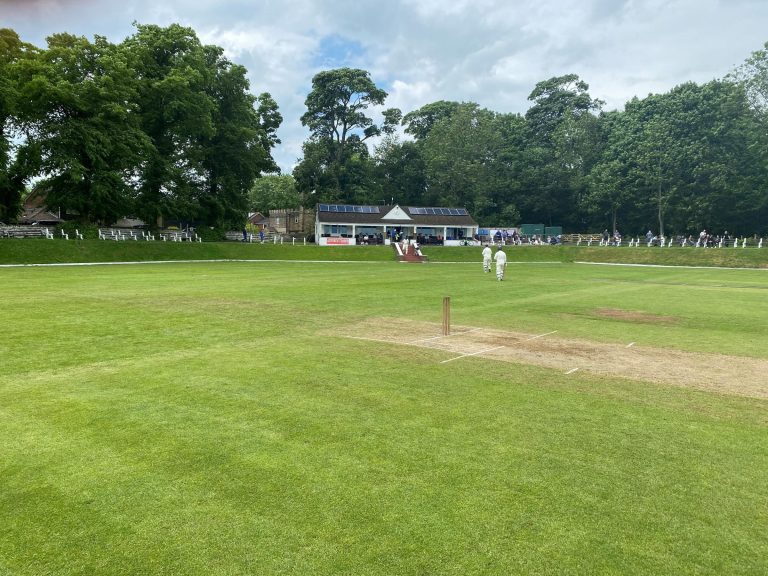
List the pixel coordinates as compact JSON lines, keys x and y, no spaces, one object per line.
{"x":501,"y":263}
{"x":487,"y":256}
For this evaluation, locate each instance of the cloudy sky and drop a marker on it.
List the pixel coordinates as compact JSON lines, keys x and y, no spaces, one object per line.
{"x":488,"y":51}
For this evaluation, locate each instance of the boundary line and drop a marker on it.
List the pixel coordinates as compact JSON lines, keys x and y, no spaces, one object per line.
{"x":669,"y":266}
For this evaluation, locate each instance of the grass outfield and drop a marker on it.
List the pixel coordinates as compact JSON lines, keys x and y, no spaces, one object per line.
{"x":215,"y":418}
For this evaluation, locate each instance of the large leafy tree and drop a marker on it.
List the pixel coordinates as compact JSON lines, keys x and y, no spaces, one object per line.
{"x":464,"y":157}
{"x":81,"y":127}
{"x":609,"y":193}
{"x":559,"y":148}
{"x":688,"y":159}
{"x":335,"y":159}
{"x":15,"y":165}
{"x":419,"y":122}
{"x":720,"y":157}
{"x":400,"y":172}
{"x":176,"y":109}
{"x":338,"y":103}
{"x":753,"y":76}
{"x":239,"y":149}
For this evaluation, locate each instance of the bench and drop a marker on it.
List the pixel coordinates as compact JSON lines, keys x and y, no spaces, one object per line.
{"x":118,"y":234}
{"x":180,"y":236}
{"x":25,"y":232}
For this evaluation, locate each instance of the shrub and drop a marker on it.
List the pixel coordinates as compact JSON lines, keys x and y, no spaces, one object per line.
{"x":210,"y":234}
{"x":89,"y":231}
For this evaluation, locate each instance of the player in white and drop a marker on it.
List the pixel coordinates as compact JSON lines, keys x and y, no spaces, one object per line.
{"x":487,"y":256}
{"x":501,"y":263}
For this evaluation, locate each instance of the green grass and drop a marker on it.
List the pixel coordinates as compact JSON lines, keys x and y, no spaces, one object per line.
{"x":726,"y":257}
{"x":204,"y":419}
{"x":39,"y":251}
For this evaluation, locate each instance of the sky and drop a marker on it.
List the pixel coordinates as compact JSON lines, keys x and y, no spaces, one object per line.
{"x":492,"y":52}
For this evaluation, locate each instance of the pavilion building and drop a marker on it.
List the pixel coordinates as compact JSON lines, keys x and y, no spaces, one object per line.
{"x":344,"y":224}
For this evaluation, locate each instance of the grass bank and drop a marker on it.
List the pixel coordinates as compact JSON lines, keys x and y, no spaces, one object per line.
{"x":34,"y":251}
{"x":39,"y":251}
{"x":726,"y":257}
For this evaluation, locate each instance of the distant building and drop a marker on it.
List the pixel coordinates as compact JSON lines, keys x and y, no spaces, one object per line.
{"x":258,"y":220}
{"x":292,"y":221}
{"x":343,"y":224}
{"x":35,"y":211}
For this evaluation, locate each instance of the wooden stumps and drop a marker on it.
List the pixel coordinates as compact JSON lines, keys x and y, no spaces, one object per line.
{"x":446,"y":315}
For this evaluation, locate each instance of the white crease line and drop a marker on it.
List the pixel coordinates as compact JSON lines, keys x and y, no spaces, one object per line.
{"x":571,"y":371}
{"x":444,"y":336}
{"x":540,"y":336}
{"x":630,"y":345}
{"x":472,"y":354}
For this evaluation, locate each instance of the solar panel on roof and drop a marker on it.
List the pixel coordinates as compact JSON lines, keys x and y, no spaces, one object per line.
{"x":348,"y":208}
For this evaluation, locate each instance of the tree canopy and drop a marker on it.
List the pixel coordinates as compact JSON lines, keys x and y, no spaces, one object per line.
{"x":158,"y":126}
{"x":163,"y":126}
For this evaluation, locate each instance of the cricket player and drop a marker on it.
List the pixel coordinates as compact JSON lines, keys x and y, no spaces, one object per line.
{"x":487,"y":256}
{"x":501,"y":263}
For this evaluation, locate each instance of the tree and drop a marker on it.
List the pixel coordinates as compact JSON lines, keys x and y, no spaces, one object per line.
{"x":336,"y":117}
{"x":210,"y":137}
{"x":239,"y":149}
{"x":400,"y":171}
{"x":15,"y":168}
{"x":82,"y":129}
{"x":559,"y":147}
{"x":176,"y":112}
{"x":419,"y":122}
{"x":608,"y":186}
{"x":337,"y":103}
{"x":273,"y":192}
{"x":753,"y":76}
{"x":464,"y":158}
